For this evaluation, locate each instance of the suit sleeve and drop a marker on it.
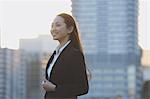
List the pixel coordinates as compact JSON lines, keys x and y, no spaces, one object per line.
{"x":76,"y":82}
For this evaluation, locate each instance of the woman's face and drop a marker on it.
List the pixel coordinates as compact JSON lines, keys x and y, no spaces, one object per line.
{"x":59,"y":29}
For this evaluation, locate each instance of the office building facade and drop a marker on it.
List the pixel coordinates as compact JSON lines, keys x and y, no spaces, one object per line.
{"x":109,"y":32}
{"x":12,"y":74}
{"x":5,"y":79}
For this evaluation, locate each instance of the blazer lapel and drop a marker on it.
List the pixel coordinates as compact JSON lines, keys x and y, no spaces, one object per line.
{"x":49,"y":61}
{"x":61,"y":57}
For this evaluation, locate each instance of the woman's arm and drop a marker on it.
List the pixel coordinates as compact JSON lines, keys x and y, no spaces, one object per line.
{"x":75,"y":82}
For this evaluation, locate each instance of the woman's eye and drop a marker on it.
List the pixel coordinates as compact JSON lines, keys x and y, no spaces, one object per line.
{"x":58,"y":25}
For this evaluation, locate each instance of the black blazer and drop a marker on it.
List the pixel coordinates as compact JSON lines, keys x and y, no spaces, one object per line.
{"x":68,"y":74}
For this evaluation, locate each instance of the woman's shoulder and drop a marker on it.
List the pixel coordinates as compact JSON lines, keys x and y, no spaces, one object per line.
{"x":74,"y":52}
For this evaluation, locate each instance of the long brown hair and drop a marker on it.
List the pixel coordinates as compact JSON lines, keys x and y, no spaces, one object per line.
{"x":74,"y":36}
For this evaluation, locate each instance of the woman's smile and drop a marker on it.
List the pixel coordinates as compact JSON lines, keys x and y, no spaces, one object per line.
{"x":54,"y":34}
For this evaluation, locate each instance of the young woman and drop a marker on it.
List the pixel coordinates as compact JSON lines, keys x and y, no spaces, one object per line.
{"x":66,"y":76}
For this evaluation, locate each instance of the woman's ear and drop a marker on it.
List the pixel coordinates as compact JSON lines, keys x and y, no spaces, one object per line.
{"x":70,"y":29}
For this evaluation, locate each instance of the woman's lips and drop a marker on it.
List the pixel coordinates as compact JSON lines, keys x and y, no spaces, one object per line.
{"x":54,"y":35}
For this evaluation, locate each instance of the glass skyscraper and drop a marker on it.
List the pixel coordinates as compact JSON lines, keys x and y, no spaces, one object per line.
{"x":109,"y":33}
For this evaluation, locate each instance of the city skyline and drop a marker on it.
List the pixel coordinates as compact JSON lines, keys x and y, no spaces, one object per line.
{"x":116,"y":63}
{"x":28,"y":19}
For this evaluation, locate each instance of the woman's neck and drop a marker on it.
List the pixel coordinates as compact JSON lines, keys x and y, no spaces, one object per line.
{"x":63,"y":42}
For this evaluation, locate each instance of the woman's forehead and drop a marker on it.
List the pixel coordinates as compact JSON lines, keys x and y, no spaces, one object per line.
{"x":58,"y":19}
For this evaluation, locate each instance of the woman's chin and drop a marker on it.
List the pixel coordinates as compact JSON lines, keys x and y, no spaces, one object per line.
{"x":54,"y":38}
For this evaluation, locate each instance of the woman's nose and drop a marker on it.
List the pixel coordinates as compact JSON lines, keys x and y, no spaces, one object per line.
{"x":53,"y":29}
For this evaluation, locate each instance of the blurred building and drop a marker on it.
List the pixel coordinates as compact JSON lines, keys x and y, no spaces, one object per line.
{"x":38,"y":51}
{"x":38,"y":45}
{"x":19,"y":71}
{"x":12,"y":75}
{"x":146,"y":73}
{"x":33,"y":76}
{"x":5,"y":74}
{"x":109,"y":33}
{"x":146,"y":90}
{"x":146,"y":82}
